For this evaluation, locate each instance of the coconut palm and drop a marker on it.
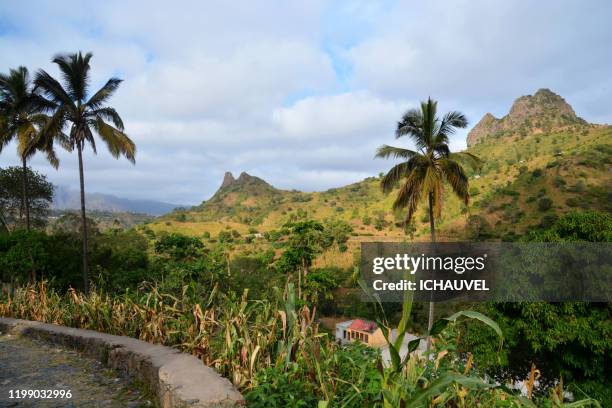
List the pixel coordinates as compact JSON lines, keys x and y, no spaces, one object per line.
{"x":425,"y":171}
{"x":83,"y":114}
{"x":22,"y":120}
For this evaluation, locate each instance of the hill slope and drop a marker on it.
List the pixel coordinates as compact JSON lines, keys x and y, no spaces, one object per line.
{"x":537,"y":173}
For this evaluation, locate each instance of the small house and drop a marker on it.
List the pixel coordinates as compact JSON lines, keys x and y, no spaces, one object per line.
{"x":361,"y":330}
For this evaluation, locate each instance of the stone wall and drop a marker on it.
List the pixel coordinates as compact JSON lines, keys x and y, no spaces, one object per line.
{"x":178,"y":379}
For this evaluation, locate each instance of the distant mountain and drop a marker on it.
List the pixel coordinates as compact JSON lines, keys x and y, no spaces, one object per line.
{"x":248,"y":195}
{"x":542,"y":112}
{"x":65,"y":198}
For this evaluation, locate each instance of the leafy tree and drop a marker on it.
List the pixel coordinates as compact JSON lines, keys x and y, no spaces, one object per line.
{"x":424,"y":171}
{"x":337,"y":231}
{"x":570,"y":340}
{"x":21,"y":120}
{"x":477,"y":228}
{"x":120,"y":259}
{"x":33,"y":255}
{"x":306,"y":239}
{"x":320,"y":283}
{"x":179,"y":247}
{"x":39,"y":193}
{"x":73,"y":107}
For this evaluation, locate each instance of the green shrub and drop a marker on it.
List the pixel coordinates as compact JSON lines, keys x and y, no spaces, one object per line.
{"x":572,"y":202}
{"x":544,"y":204}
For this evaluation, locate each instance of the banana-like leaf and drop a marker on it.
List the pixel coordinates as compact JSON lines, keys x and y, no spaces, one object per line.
{"x":441,"y":324}
{"x":437,"y":387}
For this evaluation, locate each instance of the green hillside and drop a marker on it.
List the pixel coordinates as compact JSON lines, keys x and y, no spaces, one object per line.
{"x":547,"y":164}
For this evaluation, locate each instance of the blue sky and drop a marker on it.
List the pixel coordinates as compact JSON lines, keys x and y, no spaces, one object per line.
{"x":300,"y":93}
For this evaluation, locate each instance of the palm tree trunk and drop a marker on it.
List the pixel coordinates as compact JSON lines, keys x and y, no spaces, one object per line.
{"x":83,"y":220}
{"x":24,"y":193}
{"x":432,"y":227}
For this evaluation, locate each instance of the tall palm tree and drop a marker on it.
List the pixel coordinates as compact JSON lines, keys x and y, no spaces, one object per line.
{"x":22,"y":119}
{"x":425,"y":171}
{"x":73,"y":107}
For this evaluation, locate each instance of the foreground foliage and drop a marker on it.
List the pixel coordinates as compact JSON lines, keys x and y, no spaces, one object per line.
{"x":273,"y":351}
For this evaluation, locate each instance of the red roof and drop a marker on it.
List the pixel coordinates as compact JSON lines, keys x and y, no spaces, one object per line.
{"x":362,"y":325}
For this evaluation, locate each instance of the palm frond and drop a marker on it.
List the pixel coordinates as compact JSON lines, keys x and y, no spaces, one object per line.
{"x":456,"y":177}
{"x":468,"y":159}
{"x":118,"y":143}
{"x":385,"y":151}
{"x":429,"y":109}
{"x":75,"y":72}
{"x":399,"y":171}
{"x":52,"y":89}
{"x":108,"y":114}
{"x":52,"y":157}
{"x":393,"y":177}
{"x":54,"y":126}
{"x":27,"y":138}
{"x":409,"y":194}
{"x":441,"y":149}
{"x":100,"y":97}
{"x":411,"y":125}
{"x":451,"y":122}
{"x":89,"y":137}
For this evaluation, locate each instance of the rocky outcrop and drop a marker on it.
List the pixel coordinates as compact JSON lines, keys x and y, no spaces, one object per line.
{"x":228,"y":179}
{"x":543,"y":111}
{"x":488,"y":125}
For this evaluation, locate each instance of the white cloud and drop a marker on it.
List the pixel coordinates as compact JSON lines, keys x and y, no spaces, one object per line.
{"x":300,"y":93}
{"x":344,"y":117}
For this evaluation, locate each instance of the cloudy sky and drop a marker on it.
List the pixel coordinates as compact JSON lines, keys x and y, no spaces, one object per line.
{"x":300,"y":93}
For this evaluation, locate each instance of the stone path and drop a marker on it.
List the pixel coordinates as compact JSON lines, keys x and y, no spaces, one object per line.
{"x":30,"y":364}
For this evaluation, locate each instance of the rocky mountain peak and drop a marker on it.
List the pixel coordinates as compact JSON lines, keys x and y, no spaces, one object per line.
{"x":244,"y":179}
{"x":239,"y":189}
{"x":228,"y":179}
{"x":545,"y":110}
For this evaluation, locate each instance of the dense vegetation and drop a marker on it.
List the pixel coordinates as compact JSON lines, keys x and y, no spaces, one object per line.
{"x":564,"y":340}
{"x":176,"y":290}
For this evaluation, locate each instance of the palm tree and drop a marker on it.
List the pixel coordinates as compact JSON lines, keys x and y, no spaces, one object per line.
{"x":425,"y":171}
{"x":83,"y":114}
{"x":22,"y":119}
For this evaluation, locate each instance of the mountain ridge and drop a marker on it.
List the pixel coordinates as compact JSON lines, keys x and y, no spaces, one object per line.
{"x":68,"y":199}
{"x":541,"y":112}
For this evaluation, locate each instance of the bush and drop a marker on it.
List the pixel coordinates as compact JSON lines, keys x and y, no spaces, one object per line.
{"x":477,"y":228}
{"x":225,"y":236}
{"x":548,"y":221}
{"x":559,"y":182}
{"x":572,"y":202}
{"x":544,"y":204}
{"x":178,"y":246}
